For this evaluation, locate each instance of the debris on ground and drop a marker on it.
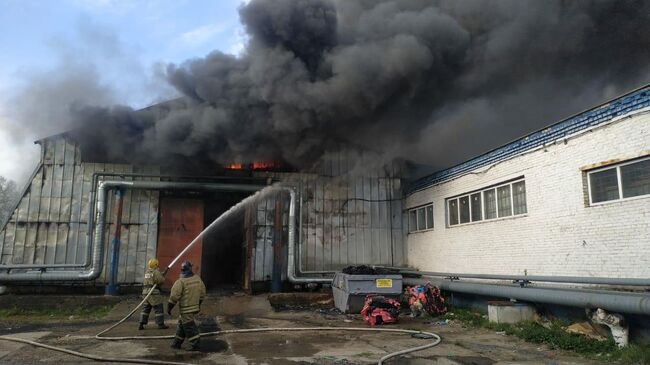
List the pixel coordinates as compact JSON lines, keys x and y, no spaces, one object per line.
{"x":379,"y":310}
{"x":425,"y":298}
{"x":586,"y":328}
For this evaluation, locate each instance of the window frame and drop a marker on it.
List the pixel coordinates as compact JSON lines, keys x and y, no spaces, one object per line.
{"x":426,"y":218}
{"x":482,"y":191}
{"x":619,"y":181}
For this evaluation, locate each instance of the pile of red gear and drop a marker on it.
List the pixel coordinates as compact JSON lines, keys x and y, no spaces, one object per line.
{"x":426,"y":298}
{"x":379,"y":310}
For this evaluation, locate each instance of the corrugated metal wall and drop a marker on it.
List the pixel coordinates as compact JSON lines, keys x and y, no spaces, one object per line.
{"x":348,"y":217}
{"x":50,"y":224}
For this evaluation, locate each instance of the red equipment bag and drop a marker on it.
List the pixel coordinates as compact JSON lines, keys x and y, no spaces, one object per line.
{"x":379,"y":310}
{"x":426,"y":298}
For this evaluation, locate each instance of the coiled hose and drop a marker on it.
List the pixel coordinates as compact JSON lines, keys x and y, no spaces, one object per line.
{"x":428,"y":335}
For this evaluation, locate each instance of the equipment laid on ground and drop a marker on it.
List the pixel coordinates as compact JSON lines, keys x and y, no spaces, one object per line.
{"x":379,"y":310}
{"x":426,"y":298}
{"x":350,"y":291}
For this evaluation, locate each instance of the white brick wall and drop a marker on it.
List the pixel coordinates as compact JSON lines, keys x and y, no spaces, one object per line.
{"x":559,"y":235}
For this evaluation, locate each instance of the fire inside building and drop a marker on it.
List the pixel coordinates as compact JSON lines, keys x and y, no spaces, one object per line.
{"x":565,"y":204}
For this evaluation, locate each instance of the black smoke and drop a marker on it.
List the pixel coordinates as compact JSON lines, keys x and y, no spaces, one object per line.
{"x":431,"y":81}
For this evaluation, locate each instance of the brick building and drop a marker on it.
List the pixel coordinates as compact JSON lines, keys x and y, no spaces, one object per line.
{"x":572,"y":199}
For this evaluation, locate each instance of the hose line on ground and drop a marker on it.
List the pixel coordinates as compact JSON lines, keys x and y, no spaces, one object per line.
{"x":435,"y":337}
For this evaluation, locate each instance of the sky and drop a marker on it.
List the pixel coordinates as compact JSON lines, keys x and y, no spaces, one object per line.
{"x":123,"y":43}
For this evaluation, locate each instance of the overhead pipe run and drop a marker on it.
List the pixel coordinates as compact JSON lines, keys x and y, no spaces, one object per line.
{"x":624,"y":302}
{"x":541,"y":278}
{"x":96,"y":266}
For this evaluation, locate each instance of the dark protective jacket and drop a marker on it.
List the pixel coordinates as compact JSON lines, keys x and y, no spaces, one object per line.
{"x":152,"y":277}
{"x":188,"y":292}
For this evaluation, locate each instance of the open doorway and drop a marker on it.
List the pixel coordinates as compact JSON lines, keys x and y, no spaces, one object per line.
{"x":223,"y":259}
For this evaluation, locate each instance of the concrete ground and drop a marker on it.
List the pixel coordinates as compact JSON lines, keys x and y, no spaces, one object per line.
{"x":460,"y":346}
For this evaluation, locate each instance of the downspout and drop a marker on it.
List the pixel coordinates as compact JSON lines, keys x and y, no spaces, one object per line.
{"x":625,"y":302}
{"x":112,"y":287}
{"x":276,"y":273}
{"x":97,"y":262}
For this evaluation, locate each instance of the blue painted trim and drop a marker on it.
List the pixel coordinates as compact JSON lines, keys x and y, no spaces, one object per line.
{"x":635,"y":100}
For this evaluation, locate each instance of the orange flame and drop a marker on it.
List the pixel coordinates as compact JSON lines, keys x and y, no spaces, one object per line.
{"x":234,"y":166}
{"x":263,"y":165}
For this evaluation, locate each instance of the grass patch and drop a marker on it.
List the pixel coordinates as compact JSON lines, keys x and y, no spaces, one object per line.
{"x":17,"y":313}
{"x":556,"y":337}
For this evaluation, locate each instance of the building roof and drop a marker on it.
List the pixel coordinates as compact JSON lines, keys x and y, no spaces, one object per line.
{"x":634,"y":100}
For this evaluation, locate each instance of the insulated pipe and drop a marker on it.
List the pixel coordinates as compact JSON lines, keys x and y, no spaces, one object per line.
{"x":97,"y":262}
{"x":550,"y":279}
{"x":625,"y":302}
{"x":291,"y":247}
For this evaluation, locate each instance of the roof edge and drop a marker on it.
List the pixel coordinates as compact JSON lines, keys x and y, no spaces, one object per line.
{"x":623,"y":104}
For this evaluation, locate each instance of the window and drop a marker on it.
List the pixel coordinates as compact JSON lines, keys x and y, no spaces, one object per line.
{"x":490,"y":203}
{"x":503,"y":195}
{"x":453,"y":212}
{"x":421,"y":218}
{"x":476,"y":207}
{"x":626,"y":180}
{"x":504,"y":200}
{"x":464,"y":209}
{"x":519,"y":197}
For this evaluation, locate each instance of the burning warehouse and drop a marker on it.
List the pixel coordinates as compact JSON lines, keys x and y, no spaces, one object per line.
{"x":57,"y":234}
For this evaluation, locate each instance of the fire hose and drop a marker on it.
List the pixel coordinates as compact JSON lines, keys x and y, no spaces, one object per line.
{"x":98,"y":336}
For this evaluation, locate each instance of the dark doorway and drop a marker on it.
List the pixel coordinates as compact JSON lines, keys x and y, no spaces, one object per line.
{"x":223,"y":259}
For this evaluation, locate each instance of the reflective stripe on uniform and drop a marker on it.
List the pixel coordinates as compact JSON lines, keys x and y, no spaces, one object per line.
{"x":190,"y":309}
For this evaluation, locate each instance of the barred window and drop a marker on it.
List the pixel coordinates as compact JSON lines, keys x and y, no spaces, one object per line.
{"x":504,"y":200}
{"x":616,"y":182}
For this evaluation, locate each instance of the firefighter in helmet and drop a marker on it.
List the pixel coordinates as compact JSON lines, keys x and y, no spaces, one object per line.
{"x":153,"y":277}
{"x":189,"y":292}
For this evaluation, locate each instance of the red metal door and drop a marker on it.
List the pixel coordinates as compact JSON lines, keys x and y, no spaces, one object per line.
{"x":181,"y":220}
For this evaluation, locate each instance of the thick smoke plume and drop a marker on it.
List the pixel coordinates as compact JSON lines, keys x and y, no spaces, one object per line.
{"x":431,"y":81}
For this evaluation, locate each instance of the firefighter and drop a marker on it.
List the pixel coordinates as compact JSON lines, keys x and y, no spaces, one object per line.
{"x":153,"y":277}
{"x":188,"y":291}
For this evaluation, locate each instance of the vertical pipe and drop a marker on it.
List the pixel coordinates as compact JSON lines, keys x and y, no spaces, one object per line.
{"x":276,"y":274}
{"x":112,"y":288}
{"x":248,"y":254}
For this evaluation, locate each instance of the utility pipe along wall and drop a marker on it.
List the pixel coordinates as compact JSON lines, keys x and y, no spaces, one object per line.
{"x":541,"y":278}
{"x":624,"y":302}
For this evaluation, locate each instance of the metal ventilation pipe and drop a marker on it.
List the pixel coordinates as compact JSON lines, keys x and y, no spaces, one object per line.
{"x":291,"y":247}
